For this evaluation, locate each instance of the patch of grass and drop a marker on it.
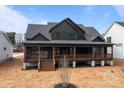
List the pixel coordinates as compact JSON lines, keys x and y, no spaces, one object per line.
{"x":110,"y":71}
{"x":122,"y":69}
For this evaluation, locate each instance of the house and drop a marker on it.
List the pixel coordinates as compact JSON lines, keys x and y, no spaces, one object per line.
{"x":66,"y":41}
{"x":6,"y":47}
{"x":115,"y":34}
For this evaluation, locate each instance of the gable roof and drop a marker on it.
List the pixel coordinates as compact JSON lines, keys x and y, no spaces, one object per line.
{"x":1,"y":32}
{"x":70,"y":22}
{"x":120,"y":23}
{"x":40,"y":35}
{"x":33,"y":29}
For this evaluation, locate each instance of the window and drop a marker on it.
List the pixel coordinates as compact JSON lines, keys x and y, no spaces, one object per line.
{"x":75,"y":36}
{"x":109,"y":39}
{"x":4,"y":48}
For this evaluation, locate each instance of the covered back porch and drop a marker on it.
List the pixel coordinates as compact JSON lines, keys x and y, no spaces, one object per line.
{"x":47,"y":56}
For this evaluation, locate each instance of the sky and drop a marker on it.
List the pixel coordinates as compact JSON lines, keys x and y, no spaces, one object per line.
{"x":15,"y":18}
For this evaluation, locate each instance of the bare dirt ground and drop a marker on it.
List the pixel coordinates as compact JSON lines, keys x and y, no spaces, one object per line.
{"x":11,"y":75}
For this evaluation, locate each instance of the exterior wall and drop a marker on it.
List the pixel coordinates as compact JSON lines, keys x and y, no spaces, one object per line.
{"x":4,"y":54}
{"x":66,"y":32}
{"x":116,"y":32}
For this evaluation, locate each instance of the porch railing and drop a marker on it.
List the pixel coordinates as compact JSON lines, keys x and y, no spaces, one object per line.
{"x":97,"y":56}
{"x":71,"y":56}
{"x":32,"y":57}
{"x":83,"y":56}
{"x":108,"y":55}
{"x":61,"y":56}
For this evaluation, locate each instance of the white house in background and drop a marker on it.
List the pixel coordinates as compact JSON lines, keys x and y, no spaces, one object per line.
{"x":6,"y":47}
{"x":115,"y":34}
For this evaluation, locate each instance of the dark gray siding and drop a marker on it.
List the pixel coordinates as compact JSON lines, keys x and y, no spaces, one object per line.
{"x":39,"y":37}
{"x":98,"y":39}
{"x":66,"y":32}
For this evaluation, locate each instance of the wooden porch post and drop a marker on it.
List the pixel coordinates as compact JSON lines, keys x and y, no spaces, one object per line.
{"x":39,"y":58}
{"x":74,"y":49}
{"x":93,"y":56}
{"x":103,"y":52}
{"x":112,"y":52}
{"x":93,"y":52}
{"x":74,"y":62}
{"x":53,"y":53}
{"x":25,"y":53}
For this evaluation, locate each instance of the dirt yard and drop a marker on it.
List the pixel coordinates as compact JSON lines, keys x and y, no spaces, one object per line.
{"x":11,"y":75}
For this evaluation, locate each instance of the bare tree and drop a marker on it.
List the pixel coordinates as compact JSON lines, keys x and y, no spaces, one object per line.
{"x":19,"y":38}
{"x":64,"y":72}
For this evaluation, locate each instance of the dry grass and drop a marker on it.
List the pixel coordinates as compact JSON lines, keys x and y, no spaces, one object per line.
{"x":11,"y":75}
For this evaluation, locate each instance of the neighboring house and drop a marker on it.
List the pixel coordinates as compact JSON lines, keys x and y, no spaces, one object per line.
{"x":115,"y":34}
{"x":6,"y":47}
{"x":48,"y":45}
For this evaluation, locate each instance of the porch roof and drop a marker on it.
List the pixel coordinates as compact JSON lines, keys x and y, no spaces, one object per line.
{"x":67,"y":42}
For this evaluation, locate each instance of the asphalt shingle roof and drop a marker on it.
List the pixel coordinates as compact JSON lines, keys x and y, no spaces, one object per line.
{"x":34,"y":29}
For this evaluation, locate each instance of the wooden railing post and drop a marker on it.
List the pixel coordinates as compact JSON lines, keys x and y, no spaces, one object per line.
{"x":53,"y":53}
{"x":93,"y":52}
{"x":112,"y":52}
{"x":25,"y":53}
{"x":39,"y":58}
{"x":103,"y":52}
{"x":74,"y":49}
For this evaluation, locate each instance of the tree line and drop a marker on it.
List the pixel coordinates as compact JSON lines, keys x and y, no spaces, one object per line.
{"x":15,"y":38}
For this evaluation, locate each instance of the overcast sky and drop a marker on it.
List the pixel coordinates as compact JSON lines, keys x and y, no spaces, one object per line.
{"x":16,"y":18}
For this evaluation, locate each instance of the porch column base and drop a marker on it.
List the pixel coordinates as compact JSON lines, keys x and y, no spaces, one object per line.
{"x":38,"y":65}
{"x":102,"y":63}
{"x":24,"y":66}
{"x":74,"y":64}
{"x":93,"y":63}
{"x":111,"y":63}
